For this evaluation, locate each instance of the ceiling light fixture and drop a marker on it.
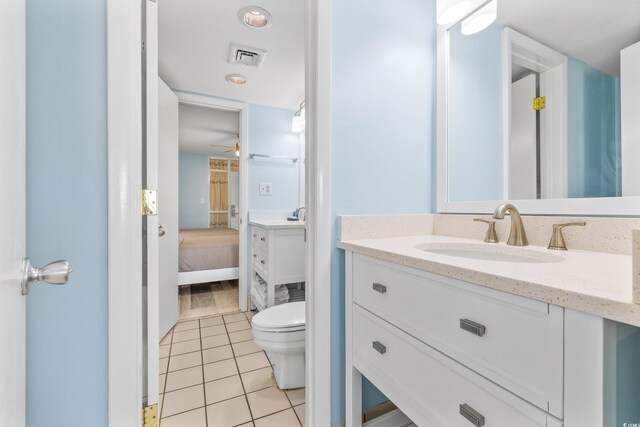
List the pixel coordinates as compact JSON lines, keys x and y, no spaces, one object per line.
{"x":236,"y":79}
{"x":480,"y":19}
{"x":298,"y":122}
{"x":451,"y":10}
{"x":255,"y":17}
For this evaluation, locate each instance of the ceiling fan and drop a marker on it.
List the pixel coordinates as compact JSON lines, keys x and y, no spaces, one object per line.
{"x":232,"y":148}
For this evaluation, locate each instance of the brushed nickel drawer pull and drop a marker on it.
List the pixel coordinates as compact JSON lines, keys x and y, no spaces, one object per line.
{"x":473,"y":327}
{"x":262,"y":238}
{"x":379,"y":287}
{"x":262,"y":262}
{"x":379,"y":347}
{"x":472,"y":415}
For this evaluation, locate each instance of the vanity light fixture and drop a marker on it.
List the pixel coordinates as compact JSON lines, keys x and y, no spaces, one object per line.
{"x":236,"y":79}
{"x":451,"y":10}
{"x":298,"y":122}
{"x":255,"y":17}
{"x":480,"y":19}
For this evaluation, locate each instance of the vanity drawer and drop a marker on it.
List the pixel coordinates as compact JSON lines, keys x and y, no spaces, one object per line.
{"x":259,"y":237}
{"x":431,"y":388}
{"x":514,"y":341}
{"x":260,"y":261}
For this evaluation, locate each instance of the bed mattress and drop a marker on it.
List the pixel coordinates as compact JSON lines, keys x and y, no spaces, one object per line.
{"x":208,"y":249}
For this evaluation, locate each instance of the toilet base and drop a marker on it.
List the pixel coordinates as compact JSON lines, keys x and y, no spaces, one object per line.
{"x":288,"y":369}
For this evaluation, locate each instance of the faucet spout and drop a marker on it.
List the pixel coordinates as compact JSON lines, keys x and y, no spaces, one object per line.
{"x":517,"y":237}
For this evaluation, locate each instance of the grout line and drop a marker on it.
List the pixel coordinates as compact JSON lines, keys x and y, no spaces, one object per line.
{"x":240,"y":375}
{"x":204,"y":389}
{"x":277,"y":412}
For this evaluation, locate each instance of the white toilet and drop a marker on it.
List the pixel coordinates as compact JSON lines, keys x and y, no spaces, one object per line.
{"x":280,"y":331}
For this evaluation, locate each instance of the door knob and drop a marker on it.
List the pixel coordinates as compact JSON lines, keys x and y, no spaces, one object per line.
{"x":161,"y":230}
{"x":56,"y":273}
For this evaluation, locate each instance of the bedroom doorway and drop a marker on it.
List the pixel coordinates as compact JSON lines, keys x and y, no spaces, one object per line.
{"x":209,"y":195}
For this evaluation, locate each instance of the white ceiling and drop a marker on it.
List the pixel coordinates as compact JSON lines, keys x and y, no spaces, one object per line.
{"x":593,"y":31}
{"x":200,"y":127}
{"x":194,"y":38}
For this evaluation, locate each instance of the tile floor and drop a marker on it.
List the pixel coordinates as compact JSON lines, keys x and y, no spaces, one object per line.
{"x":212,"y":374}
{"x":208,"y":299}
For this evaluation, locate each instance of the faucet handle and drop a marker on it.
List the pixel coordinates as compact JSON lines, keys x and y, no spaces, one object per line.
{"x":557,"y":242}
{"x":491,"y":236}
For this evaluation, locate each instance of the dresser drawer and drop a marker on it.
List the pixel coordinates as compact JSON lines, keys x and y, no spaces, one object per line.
{"x":430,"y":388}
{"x":260,"y":262}
{"x":516,"y":342}
{"x":259,"y":237}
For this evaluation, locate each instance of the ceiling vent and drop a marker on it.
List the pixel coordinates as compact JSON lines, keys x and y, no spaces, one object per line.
{"x":246,"y":55}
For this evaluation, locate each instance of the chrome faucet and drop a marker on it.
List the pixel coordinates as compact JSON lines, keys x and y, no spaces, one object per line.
{"x":301,"y":212}
{"x":517,"y":237}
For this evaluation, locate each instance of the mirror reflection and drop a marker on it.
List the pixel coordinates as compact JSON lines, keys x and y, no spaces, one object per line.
{"x":537,"y":105}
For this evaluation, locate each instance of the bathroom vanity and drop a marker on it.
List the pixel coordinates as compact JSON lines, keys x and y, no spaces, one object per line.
{"x":277,"y":253}
{"x":458,"y":332}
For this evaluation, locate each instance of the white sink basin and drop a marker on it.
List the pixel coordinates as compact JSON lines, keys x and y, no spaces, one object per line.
{"x":489,"y":252}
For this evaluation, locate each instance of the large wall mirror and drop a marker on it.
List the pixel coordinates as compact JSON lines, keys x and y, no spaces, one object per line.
{"x":540,"y":101}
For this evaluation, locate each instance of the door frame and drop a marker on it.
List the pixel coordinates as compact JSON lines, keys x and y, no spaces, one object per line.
{"x":243,"y":111}
{"x":124,"y":127}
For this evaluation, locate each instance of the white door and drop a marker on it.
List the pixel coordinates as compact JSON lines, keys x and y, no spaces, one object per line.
{"x":12,"y":213}
{"x":151,"y":226}
{"x":523,"y":158}
{"x":168,"y":203}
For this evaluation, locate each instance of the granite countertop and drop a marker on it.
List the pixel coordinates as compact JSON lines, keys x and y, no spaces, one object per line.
{"x":278,"y":223}
{"x":592,"y":282}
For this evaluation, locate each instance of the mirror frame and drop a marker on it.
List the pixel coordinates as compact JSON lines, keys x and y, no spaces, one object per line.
{"x":597,"y":206}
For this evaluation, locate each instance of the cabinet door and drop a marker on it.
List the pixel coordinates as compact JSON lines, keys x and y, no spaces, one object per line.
{"x":514,"y":341}
{"x":430,"y":388}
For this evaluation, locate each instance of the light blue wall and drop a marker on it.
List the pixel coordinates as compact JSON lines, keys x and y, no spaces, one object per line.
{"x":193,"y":176}
{"x":383,"y":131}
{"x":475,"y":115}
{"x":594,"y":142}
{"x":270,"y":133}
{"x":628,"y":374}
{"x":67,"y":212}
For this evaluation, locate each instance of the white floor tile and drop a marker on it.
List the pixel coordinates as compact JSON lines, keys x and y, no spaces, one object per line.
{"x":184,"y":378}
{"x":211,"y":321}
{"x":222,"y":369}
{"x":186,"y":335}
{"x":223,"y":389}
{"x":245,"y":347}
{"x":238,"y":326}
{"x":186,"y":360}
{"x":259,"y":379}
{"x":183,"y":400}
{"x":241,"y":336}
{"x":228,"y":413}
{"x":236,"y":317}
{"x":215,"y":341}
{"x":281,"y":419}
{"x":251,"y":362}
{"x":296,"y":396}
{"x":195,"y":418}
{"x":185,"y":347}
{"x":300,"y":411}
{"x":185,"y":326}
{"x":164,"y":351}
{"x":213,"y":330}
{"x":267,"y":401}
{"x":217,"y":354}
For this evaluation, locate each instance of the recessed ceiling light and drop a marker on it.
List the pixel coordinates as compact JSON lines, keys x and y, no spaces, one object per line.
{"x":255,"y":17}
{"x":236,"y":79}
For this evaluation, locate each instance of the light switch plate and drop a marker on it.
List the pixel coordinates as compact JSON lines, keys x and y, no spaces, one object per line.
{"x":265,"y":188}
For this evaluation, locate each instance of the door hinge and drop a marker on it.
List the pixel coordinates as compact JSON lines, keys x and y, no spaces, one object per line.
{"x":539,"y":103}
{"x":149,"y":202}
{"x":150,"y":416}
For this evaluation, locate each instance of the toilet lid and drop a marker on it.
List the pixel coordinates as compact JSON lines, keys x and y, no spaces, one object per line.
{"x":283,"y":316}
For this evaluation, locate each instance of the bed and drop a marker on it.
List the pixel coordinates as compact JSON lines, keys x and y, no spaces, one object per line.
{"x":208,"y":255}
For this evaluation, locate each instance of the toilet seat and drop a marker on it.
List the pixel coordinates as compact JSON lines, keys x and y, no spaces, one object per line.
{"x":289,"y":317}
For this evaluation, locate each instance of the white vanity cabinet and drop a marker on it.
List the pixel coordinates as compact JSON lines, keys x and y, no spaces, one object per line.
{"x":451,"y":353}
{"x":278,"y":254}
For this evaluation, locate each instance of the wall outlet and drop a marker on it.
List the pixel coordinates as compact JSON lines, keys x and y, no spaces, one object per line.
{"x":265,"y":188}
